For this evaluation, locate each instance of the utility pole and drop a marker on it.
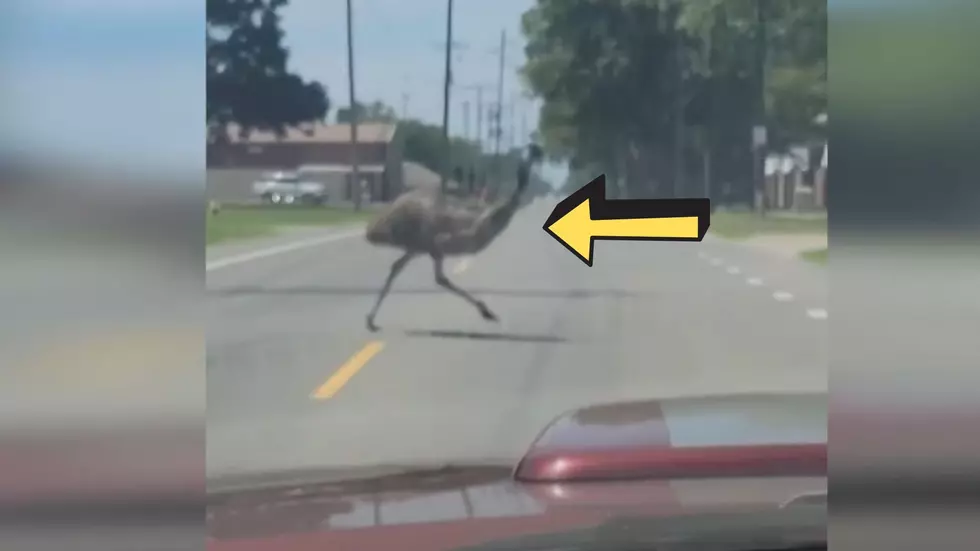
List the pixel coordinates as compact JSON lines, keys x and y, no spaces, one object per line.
{"x":478,"y":88}
{"x":354,"y":172}
{"x":491,"y":119}
{"x":478,"y":169}
{"x":706,"y":160}
{"x":479,"y":119}
{"x":759,"y":133}
{"x":500,"y":104}
{"x":445,"y":100}
{"x":524,"y":136}
{"x":466,"y":120}
{"x":405,"y":96}
{"x":679,"y":108}
{"x":707,"y":135}
{"x":513,"y":126}
{"x":478,"y":166}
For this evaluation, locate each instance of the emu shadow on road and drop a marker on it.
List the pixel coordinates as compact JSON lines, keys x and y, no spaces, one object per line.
{"x":315,"y":290}
{"x":484,"y":336}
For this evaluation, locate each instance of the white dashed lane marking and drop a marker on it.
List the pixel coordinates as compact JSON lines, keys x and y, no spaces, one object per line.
{"x":280,"y":249}
{"x":817,"y":313}
{"x":782,"y":296}
{"x":779,"y":296}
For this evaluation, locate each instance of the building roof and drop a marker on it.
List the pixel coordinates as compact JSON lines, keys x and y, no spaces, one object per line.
{"x":320,"y":133}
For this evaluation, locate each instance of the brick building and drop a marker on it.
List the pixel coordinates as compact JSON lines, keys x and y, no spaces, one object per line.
{"x":318,"y":151}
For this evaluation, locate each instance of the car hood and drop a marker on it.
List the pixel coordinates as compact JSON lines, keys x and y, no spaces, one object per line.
{"x":428,"y":509}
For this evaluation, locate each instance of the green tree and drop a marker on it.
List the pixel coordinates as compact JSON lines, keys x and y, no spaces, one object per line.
{"x":423,"y":145}
{"x":600,"y":68}
{"x":728,"y":34}
{"x":247,"y":79}
{"x":375,"y":112}
{"x":643,"y":90}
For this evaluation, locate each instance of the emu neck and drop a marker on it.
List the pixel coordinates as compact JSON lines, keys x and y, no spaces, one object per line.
{"x":495,"y":219}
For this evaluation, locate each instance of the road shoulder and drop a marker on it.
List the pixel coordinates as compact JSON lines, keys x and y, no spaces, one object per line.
{"x":786,"y":245}
{"x":284,"y":240}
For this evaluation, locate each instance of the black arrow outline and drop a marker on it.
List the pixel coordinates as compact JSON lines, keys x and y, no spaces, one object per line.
{"x":620,"y":209}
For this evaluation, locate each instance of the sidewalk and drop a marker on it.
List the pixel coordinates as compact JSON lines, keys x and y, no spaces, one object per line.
{"x":787,"y":245}
{"x":283,"y":235}
{"x":801,"y":215}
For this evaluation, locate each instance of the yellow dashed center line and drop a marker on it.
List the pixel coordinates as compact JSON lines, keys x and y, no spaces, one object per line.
{"x":347,"y":371}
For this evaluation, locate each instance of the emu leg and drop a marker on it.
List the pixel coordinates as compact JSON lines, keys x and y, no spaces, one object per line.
{"x":444,"y":282}
{"x":396,"y":268}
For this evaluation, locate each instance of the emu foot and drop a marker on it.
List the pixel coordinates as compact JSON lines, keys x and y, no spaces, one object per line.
{"x":487,"y":313}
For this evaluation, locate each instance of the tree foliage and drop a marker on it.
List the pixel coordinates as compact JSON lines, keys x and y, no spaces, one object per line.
{"x":642,"y":89}
{"x":423,"y":144}
{"x":248,"y":81}
{"x":374,"y":112}
{"x":795,"y":34}
{"x":599,"y":68}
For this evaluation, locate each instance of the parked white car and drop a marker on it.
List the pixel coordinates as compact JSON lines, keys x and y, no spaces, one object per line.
{"x":287,"y":188}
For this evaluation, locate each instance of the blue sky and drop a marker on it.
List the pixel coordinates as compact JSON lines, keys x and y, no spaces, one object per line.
{"x":122,"y":81}
{"x":108,"y":81}
{"x":398,"y":48}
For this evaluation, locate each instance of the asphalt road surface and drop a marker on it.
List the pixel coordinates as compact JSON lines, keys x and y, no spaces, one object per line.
{"x":296,"y":382}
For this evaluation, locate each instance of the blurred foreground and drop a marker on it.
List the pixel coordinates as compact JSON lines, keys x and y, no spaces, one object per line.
{"x":102,"y":347}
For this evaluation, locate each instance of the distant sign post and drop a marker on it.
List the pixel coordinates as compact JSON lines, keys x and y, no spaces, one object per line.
{"x":759,"y":139}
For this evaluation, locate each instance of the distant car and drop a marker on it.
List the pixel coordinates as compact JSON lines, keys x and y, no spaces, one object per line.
{"x":287,"y":188}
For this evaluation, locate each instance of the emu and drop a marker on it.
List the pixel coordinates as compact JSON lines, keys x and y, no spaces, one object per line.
{"x":427,"y":223}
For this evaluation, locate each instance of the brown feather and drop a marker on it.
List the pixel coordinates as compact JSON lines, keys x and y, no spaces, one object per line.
{"x":425,"y":221}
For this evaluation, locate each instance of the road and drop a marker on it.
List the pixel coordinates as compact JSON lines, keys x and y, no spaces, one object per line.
{"x":296,"y":382}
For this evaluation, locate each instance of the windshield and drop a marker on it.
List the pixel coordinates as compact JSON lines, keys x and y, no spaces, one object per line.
{"x":440,"y":302}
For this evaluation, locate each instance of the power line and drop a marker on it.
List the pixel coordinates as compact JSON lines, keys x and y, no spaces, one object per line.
{"x":524,"y":136}
{"x":355,"y":175}
{"x":513,"y":126}
{"x":500,"y":102}
{"x":445,"y":105}
{"x":478,"y":88}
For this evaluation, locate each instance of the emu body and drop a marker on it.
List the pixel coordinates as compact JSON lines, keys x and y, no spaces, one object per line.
{"x":428,"y":223}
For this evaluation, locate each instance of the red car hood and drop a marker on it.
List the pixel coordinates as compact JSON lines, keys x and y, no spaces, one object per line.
{"x":674,"y":457}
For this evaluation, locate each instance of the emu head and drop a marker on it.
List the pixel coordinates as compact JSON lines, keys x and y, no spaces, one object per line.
{"x":534,"y":156}
{"x":534,"y":153}
{"x":497,"y":217}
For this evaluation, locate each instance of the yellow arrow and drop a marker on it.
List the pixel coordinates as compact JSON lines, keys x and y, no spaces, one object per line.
{"x":586,"y":215}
